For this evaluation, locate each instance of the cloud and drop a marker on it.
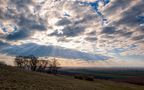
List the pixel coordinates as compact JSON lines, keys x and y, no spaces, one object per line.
{"x":51,"y":51}
{"x":19,"y":14}
{"x":20,"y":34}
{"x":31,"y":24}
{"x":91,"y":39}
{"x":3,"y":44}
{"x":140,"y":37}
{"x":125,"y":18}
{"x":46,"y":23}
{"x":116,"y":5}
{"x":109,"y":30}
{"x":124,"y":33}
{"x":63,"y":21}
{"x":69,"y":31}
{"x":130,"y":17}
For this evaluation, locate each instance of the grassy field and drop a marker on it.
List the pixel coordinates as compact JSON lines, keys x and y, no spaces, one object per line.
{"x":12,"y":78}
{"x":128,"y":75}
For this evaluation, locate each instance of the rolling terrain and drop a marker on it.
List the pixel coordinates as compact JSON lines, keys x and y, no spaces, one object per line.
{"x":128,"y":75}
{"x":12,"y":78}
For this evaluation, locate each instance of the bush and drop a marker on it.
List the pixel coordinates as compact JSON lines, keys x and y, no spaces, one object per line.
{"x":79,"y":77}
{"x":2,"y":63}
{"x":87,"y":78}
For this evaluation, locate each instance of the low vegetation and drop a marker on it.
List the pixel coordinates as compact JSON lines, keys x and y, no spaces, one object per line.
{"x":127,"y":75}
{"x":84,"y":77}
{"x":12,"y":78}
{"x":32,"y":63}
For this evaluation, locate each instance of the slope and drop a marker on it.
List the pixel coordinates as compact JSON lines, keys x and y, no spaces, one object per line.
{"x":12,"y":78}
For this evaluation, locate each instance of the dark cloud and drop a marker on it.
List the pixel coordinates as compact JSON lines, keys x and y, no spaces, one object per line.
{"x":73,"y":31}
{"x":116,"y":5}
{"x":38,"y":26}
{"x":3,"y":44}
{"x":16,"y":8}
{"x":124,"y":33}
{"x":18,"y":35}
{"x":20,"y":3}
{"x":108,"y":36}
{"x":63,"y":21}
{"x":2,"y":14}
{"x":92,"y":33}
{"x":69,"y":31}
{"x":140,"y":37}
{"x":130,"y":17}
{"x":86,"y":19}
{"x":91,"y":39}
{"x":63,"y":39}
{"x":108,"y":30}
{"x":140,"y":19}
{"x":23,"y":18}
{"x":111,"y":32}
{"x":141,"y":29}
{"x":31,"y":23}
{"x":127,"y":34}
{"x":53,"y":51}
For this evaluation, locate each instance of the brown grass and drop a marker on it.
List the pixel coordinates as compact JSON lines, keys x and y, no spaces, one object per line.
{"x":12,"y":78}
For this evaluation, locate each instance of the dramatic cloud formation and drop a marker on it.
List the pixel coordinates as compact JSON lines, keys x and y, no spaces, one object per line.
{"x":107,"y":32}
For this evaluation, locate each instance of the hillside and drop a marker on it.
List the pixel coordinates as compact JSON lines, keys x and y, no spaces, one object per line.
{"x":12,"y":78}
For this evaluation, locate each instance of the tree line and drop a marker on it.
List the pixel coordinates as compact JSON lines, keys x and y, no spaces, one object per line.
{"x":35,"y":64}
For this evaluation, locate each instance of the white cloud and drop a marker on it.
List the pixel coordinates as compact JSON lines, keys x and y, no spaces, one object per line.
{"x":92,"y":38}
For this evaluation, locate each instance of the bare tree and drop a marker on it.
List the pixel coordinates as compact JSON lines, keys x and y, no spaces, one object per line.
{"x":26,"y":63}
{"x":19,"y":61}
{"x":54,"y":65}
{"x":42,"y":65}
{"x":33,"y":62}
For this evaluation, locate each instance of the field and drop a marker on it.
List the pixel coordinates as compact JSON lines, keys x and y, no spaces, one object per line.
{"x":12,"y":78}
{"x":128,"y":75}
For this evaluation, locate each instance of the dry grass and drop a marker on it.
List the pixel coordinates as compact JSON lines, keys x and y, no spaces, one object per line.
{"x":15,"y":79}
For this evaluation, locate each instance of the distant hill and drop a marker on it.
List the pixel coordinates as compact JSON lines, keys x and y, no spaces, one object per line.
{"x":12,"y":78}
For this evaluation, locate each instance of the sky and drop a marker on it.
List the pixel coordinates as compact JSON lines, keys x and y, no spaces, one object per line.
{"x":80,"y":33}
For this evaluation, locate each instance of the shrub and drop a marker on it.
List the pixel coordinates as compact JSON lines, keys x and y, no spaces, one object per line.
{"x":2,"y":63}
{"x":79,"y":77}
{"x":87,"y":78}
